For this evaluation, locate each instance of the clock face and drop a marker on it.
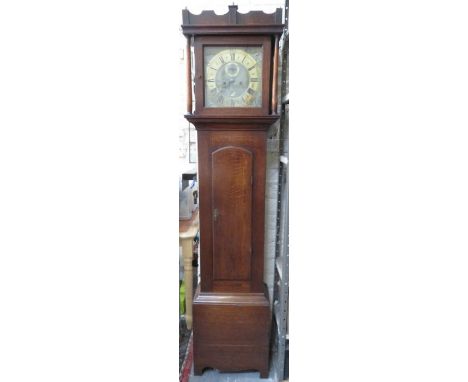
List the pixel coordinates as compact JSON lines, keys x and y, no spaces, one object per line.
{"x":233,"y":76}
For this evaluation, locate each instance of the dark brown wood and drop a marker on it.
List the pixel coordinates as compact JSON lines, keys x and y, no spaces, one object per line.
{"x":231,"y":332}
{"x":274,"y":86}
{"x":231,"y":190}
{"x":231,"y":308}
{"x":232,"y":23}
{"x":189,"y":75}
{"x":246,"y":164}
{"x":220,"y":122}
{"x":232,"y":30}
{"x":233,"y":18}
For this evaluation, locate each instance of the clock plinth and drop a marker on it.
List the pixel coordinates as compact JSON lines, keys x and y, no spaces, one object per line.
{"x":235,"y":58}
{"x":231,"y":332}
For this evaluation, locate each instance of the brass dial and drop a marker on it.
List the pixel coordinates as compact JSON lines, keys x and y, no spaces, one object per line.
{"x":233,"y":76}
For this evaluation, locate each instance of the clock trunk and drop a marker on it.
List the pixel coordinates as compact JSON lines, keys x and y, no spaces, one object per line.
{"x":232,"y":188}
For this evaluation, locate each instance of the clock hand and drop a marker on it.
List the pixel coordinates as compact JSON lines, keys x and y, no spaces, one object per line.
{"x":229,"y":83}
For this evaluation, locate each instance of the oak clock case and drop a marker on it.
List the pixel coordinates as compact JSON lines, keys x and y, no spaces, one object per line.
{"x":234,"y":108}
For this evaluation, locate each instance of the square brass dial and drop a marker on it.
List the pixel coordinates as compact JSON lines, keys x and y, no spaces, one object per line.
{"x":233,"y":76}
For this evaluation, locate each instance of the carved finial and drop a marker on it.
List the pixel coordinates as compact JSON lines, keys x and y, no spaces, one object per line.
{"x":233,"y":14}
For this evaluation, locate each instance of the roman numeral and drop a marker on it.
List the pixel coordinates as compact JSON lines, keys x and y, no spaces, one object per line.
{"x":255,"y":79}
{"x":221,"y":59}
{"x":251,"y":91}
{"x":253,"y":66}
{"x":212,"y":68}
{"x":233,"y":56}
{"x":211,"y":80}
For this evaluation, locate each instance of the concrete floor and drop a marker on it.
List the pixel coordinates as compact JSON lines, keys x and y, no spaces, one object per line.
{"x":216,"y":376}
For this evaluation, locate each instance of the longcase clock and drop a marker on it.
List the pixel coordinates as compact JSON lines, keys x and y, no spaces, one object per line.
{"x":235,"y":81}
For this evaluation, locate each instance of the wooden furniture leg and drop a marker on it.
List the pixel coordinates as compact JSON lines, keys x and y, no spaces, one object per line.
{"x":188,"y":229}
{"x":187,"y":252}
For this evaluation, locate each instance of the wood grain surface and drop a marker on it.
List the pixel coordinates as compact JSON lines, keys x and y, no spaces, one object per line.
{"x":231,"y":186}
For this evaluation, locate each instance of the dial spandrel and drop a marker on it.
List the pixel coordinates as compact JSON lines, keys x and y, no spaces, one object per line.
{"x":233,"y":76}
